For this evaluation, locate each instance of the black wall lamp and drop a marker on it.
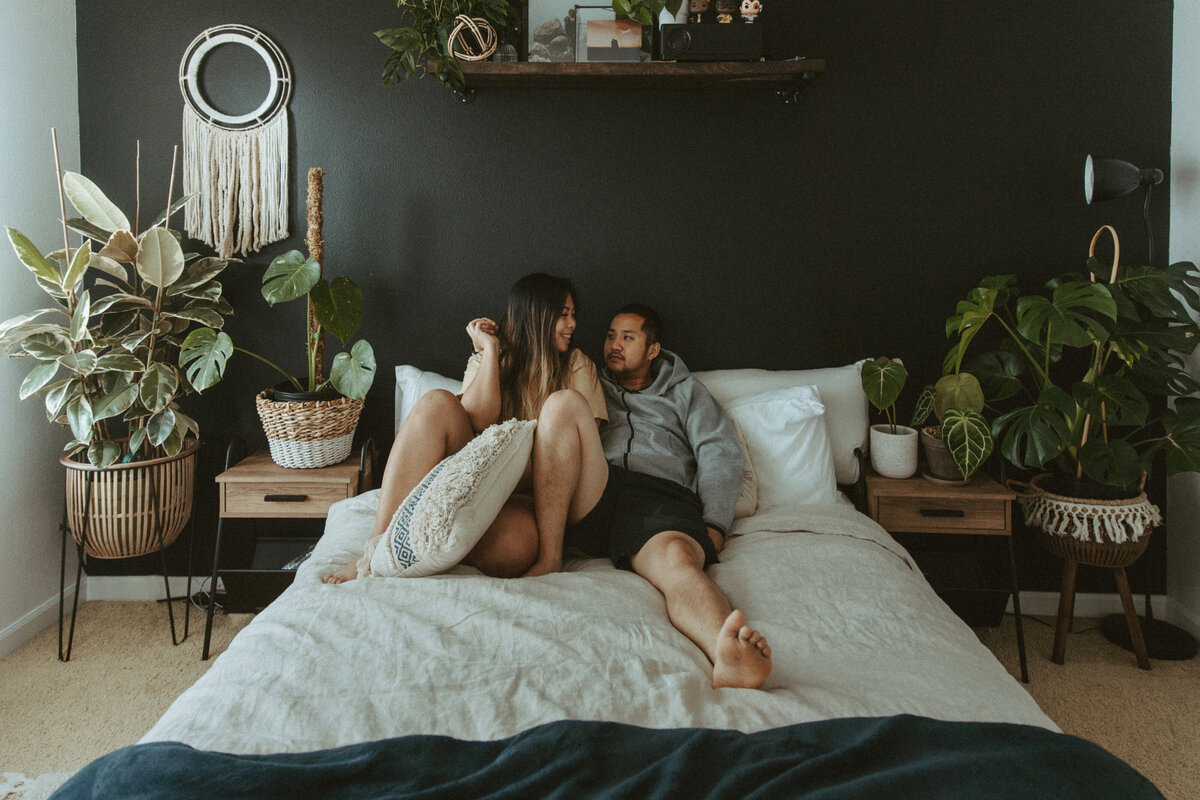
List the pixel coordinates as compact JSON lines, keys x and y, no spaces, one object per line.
{"x":1109,"y":178}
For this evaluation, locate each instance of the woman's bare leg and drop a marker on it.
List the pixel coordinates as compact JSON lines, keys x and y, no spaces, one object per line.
{"x":510,"y":545}
{"x":436,"y":427}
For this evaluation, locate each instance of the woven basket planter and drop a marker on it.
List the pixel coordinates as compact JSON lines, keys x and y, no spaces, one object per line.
{"x":308,"y":434}
{"x":1098,"y":533}
{"x":128,"y":510}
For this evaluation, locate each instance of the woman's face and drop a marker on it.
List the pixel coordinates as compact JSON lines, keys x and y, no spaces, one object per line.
{"x":564,"y":329}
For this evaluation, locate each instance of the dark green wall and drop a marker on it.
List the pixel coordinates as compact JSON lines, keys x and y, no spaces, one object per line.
{"x":945,"y":142}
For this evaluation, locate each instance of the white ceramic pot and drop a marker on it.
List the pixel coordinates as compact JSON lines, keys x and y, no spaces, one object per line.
{"x":894,"y":455}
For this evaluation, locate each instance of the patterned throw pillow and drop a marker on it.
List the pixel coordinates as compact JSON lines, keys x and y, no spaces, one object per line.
{"x":451,"y":508}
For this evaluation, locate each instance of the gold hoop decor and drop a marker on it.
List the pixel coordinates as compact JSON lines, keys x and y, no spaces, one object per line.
{"x":481,"y":31}
{"x":236,"y":165}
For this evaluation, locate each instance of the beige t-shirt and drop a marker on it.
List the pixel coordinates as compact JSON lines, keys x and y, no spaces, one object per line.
{"x":583,"y":378}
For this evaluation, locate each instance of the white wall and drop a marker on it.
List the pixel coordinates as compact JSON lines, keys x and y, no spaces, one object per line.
{"x":1183,"y":494}
{"x":38,"y":90}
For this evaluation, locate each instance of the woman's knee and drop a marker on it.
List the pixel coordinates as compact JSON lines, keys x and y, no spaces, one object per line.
{"x":565,"y":405}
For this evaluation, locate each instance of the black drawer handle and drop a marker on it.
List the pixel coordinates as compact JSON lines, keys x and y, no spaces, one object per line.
{"x":943,"y":512}
{"x":285,"y":498}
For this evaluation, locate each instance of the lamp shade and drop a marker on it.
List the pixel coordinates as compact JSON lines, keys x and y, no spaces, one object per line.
{"x":1109,"y":178}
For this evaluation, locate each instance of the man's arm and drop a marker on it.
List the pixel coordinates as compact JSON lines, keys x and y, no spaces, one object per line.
{"x":720,"y":466}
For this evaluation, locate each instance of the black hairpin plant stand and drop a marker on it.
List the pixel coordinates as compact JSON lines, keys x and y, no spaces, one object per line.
{"x":80,"y":553}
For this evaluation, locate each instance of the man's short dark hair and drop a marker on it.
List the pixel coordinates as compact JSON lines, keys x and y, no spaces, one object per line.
{"x":651,"y":322}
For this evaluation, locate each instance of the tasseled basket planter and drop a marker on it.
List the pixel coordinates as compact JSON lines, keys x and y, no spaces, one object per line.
{"x":308,"y":434}
{"x":128,"y":510}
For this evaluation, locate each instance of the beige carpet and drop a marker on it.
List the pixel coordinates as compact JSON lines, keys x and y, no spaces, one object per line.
{"x":124,"y":673}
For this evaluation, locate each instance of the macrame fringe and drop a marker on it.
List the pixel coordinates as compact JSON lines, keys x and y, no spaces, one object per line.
{"x":241,"y":179}
{"x":1091,"y":522}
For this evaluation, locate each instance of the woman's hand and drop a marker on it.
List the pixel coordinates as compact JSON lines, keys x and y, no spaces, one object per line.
{"x":484,"y":333}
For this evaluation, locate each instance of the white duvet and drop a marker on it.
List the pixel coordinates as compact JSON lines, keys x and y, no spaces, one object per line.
{"x":854,"y":630}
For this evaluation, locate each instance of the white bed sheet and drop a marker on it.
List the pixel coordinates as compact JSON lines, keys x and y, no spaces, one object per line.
{"x":854,"y":630}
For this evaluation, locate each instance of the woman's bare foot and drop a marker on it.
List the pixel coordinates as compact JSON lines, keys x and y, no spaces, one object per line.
{"x":346,"y":573}
{"x":743,"y":656}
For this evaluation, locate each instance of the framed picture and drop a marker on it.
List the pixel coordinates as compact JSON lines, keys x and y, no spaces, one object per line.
{"x":550,"y":30}
{"x":600,"y":36}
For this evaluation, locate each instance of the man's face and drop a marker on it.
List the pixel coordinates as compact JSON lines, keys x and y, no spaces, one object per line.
{"x":625,"y":352}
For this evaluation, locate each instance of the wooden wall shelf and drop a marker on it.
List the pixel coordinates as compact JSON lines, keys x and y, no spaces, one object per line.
{"x":786,"y":77}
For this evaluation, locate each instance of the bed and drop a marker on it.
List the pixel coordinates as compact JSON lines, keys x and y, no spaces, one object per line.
{"x":576,"y":684}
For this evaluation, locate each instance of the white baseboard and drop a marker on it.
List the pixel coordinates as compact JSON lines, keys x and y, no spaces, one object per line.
{"x":33,"y":623}
{"x":137,"y":587}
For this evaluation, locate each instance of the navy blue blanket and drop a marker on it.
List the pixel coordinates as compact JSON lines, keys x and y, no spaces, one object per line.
{"x":841,"y":759}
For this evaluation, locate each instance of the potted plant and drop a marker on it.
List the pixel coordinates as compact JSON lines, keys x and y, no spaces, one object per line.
{"x":893,"y":447}
{"x":112,"y":356}
{"x":961,"y":440}
{"x":423,"y":45}
{"x":1084,"y":369}
{"x":310,"y":422}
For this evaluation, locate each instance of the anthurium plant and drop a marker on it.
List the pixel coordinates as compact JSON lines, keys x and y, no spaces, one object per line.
{"x":883,"y":380}
{"x":1082,"y":369}
{"x":109,"y":353}
{"x":338,"y":308}
{"x":957,"y":402}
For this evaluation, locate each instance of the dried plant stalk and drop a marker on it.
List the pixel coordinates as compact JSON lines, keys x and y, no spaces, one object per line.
{"x":316,"y":251}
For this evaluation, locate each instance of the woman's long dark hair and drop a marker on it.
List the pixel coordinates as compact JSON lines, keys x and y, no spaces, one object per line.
{"x":531,"y":368}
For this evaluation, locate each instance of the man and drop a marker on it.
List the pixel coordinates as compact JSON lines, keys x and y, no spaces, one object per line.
{"x":654,"y":490}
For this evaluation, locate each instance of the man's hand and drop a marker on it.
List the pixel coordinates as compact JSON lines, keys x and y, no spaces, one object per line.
{"x":718,"y":540}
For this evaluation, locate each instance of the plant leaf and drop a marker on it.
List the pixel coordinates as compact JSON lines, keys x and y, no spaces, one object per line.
{"x":79,"y":265}
{"x":83,"y":362}
{"x":1030,"y":436}
{"x":81,"y":317}
{"x":1078,"y":314}
{"x":968,"y":438}
{"x":121,"y":246}
{"x":93,"y":204}
{"x":32,"y":258}
{"x":290,"y":275}
{"x":119,"y":362}
{"x":79,"y":417}
{"x":116,"y":403}
{"x":338,"y":306}
{"x":160,"y":426}
{"x":103,"y":453}
{"x":136,"y":439}
{"x":37,"y":378}
{"x":353,"y":373}
{"x":203,"y":355}
{"x":924,"y":407}
{"x":957,"y":391}
{"x":173,"y":210}
{"x":198,"y":273}
{"x":158,"y":386}
{"x":1113,"y":399}
{"x":159,"y":258}
{"x":883,"y":379}
{"x":1114,"y":463}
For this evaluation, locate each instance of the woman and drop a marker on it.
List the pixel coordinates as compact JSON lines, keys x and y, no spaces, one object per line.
{"x":517,"y":365}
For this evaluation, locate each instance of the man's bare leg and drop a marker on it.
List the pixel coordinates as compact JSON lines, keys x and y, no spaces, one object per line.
{"x":673,"y":563}
{"x":436,"y":427}
{"x":569,"y":473}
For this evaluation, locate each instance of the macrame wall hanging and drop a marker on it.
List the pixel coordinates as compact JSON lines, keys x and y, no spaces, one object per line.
{"x":236,"y":164}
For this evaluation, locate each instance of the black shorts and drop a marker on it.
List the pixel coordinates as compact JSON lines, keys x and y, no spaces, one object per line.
{"x":633,"y":508}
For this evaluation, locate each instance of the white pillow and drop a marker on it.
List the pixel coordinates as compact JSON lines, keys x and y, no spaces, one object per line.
{"x":747,"y":502}
{"x":451,"y":508}
{"x":411,"y":383}
{"x":785,"y":430}
{"x":840,"y":388}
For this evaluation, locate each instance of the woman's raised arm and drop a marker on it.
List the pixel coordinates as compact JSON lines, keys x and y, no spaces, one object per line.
{"x":481,"y":395}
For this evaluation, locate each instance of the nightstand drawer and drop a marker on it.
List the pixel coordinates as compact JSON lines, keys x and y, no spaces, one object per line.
{"x":932,"y":514}
{"x":282,"y":498}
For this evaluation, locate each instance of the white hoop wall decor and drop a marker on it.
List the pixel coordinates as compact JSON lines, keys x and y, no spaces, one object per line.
{"x":236,"y":164}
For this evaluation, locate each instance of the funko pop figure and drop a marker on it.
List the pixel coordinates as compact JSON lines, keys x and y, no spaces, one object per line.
{"x":696,"y":9}
{"x":750,"y":10}
{"x":725,"y":10}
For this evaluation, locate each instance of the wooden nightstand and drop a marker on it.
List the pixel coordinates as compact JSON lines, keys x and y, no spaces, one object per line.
{"x":258,"y":488}
{"x":980,"y":508}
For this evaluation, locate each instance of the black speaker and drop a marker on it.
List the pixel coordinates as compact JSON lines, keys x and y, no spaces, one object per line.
{"x":701,"y":41}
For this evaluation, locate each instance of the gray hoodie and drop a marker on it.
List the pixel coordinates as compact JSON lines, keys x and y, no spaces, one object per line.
{"x":674,"y":429}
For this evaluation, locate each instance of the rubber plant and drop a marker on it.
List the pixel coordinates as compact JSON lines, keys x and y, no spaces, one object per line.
{"x":1082,"y":369}
{"x":645,"y":11}
{"x":424,"y":40}
{"x":110,"y":354}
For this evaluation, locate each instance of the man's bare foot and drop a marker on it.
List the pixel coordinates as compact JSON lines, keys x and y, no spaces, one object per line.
{"x":346,"y":573}
{"x":743,"y":656}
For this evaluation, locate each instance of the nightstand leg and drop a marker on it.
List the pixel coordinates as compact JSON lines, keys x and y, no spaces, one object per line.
{"x":212,"y":590}
{"x":1016,"y":596}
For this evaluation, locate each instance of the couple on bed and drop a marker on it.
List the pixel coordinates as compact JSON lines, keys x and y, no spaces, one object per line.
{"x":637,"y":463}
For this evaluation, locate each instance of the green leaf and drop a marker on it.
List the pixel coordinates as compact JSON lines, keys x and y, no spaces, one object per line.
{"x":136,"y":439}
{"x":120,"y":362}
{"x":158,"y":386}
{"x":1113,"y":463}
{"x":160,"y":258}
{"x":1030,"y":436}
{"x":79,"y":417}
{"x":338,"y":306}
{"x":93,"y":204}
{"x":81,"y":317}
{"x":199,"y":312}
{"x":83,"y":362}
{"x":79,"y":265}
{"x":93,"y":232}
{"x":160,"y":426}
{"x":353,"y":373}
{"x":957,"y":391}
{"x":103,"y":453}
{"x":32,"y":258}
{"x":968,"y":438}
{"x":1113,"y":399}
{"x":924,"y":407}
{"x":883,"y":379}
{"x":47,"y":346}
{"x":290,"y":275}
{"x":203,"y":355}
{"x":37,"y":378}
{"x":198,"y":273}
{"x":175,"y":208}
{"x":116,"y":403}
{"x":1078,"y":314}
{"x":58,"y":395}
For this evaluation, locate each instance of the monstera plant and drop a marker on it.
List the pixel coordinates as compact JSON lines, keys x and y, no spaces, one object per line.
{"x":1081,"y":370}
{"x":109,"y":353}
